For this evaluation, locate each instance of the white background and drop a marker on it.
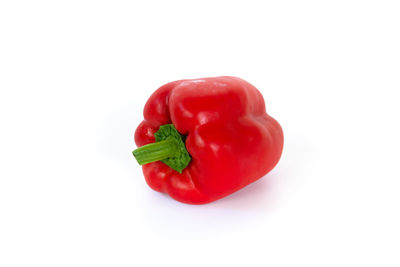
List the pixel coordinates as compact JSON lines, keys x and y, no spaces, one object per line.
{"x":75,"y":75}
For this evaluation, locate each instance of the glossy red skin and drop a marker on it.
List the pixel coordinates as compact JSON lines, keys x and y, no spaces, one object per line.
{"x":230,"y":137}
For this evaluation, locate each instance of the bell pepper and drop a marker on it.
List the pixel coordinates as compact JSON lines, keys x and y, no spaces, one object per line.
{"x":203,"y":139}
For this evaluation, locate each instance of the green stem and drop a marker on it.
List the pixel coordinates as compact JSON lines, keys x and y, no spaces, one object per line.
{"x":169,"y":148}
{"x":156,"y":151}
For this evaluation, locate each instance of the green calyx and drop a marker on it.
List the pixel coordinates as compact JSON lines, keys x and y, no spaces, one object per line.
{"x":169,"y":148}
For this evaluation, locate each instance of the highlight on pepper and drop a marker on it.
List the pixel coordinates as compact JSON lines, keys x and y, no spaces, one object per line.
{"x":203,"y":139}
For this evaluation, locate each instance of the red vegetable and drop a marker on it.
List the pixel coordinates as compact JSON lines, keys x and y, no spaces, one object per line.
{"x":224,"y":139}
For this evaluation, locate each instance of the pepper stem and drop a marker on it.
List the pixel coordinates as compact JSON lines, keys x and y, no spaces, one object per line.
{"x":156,"y":151}
{"x":169,"y":148}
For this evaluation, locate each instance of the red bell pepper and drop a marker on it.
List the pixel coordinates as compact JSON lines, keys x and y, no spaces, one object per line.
{"x":204,"y":139}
